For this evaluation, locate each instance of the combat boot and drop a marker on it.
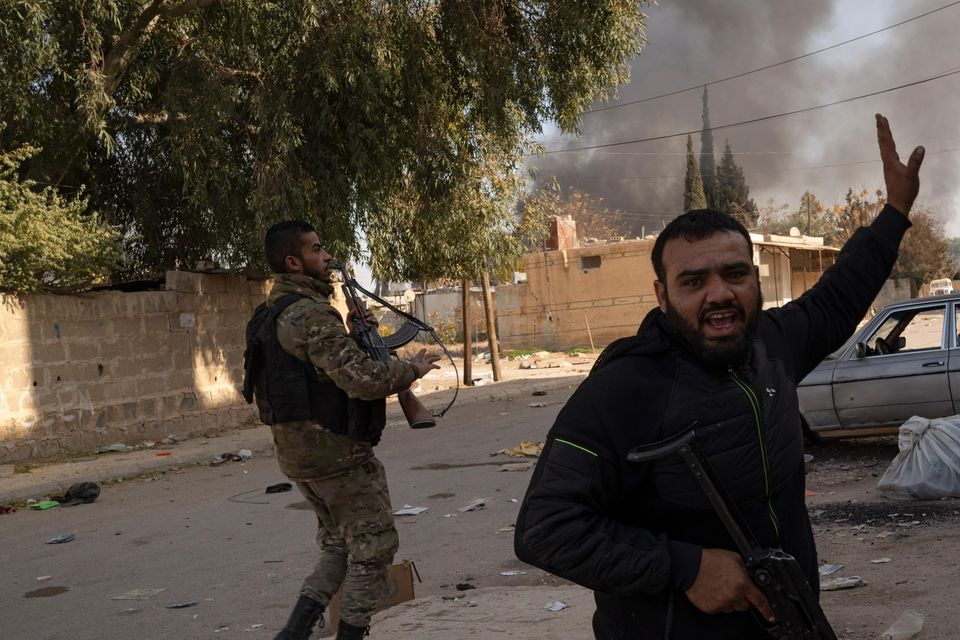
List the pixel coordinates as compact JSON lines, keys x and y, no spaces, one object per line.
{"x":305,"y":614}
{"x":349,"y":632}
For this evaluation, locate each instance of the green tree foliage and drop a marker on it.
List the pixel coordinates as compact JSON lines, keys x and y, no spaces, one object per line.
{"x":924,"y":253}
{"x":195,"y":124}
{"x":48,"y":242}
{"x":708,"y":171}
{"x":733,"y":194}
{"x":693,"y":197}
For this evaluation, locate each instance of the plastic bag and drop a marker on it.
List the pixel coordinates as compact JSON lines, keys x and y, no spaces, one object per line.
{"x":928,"y":465}
{"x":907,"y":626}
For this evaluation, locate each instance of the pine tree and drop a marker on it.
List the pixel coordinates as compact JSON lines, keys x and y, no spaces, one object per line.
{"x":707,"y":162}
{"x":733,"y":194}
{"x":693,"y":196}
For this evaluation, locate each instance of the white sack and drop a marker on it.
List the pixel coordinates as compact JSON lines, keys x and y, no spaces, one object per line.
{"x":928,"y":465}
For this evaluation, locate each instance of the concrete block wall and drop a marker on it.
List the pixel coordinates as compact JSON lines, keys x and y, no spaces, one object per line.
{"x":88,"y":370}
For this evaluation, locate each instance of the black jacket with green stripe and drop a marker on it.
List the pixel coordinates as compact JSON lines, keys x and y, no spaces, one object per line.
{"x":634,"y":532}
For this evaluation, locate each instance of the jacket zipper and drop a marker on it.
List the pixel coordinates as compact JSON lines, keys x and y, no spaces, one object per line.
{"x":755,"y":405}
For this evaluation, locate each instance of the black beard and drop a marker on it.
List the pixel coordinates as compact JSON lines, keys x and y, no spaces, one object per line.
{"x":716,"y":353}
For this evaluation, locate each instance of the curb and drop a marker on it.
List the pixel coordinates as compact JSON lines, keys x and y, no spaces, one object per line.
{"x":56,"y":478}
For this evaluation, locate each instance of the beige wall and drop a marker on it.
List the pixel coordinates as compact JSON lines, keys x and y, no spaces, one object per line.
{"x":565,"y":293}
{"x":89,"y":370}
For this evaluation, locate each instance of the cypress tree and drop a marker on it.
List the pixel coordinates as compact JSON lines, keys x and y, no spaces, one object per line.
{"x":733,"y":194}
{"x":707,"y":162}
{"x":693,"y":197}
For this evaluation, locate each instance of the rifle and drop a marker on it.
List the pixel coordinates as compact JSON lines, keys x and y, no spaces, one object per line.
{"x":797,"y":610}
{"x":381,"y":349}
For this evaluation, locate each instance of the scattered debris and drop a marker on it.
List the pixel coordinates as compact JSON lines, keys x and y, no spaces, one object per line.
{"x":245,"y":454}
{"x":556,"y":605}
{"x":42,"y":578}
{"x":513,"y":573}
{"x":164,"y":453}
{"x":465,"y":586}
{"x":139,"y":594}
{"x":45,"y":504}
{"x":809,"y":494}
{"x":835,"y":584}
{"x":79,"y":493}
{"x":410,"y":510}
{"x":909,"y":624}
{"x":539,"y":393}
{"x":537,"y":405}
{"x":829,"y":569}
{"x":7,"y":508}
{"x":911,"y":523}
{"x":240,"y":456}
{"x":476,"y":505}
{"x":470,"y":603}
{"x":117,"y":447}
{"x":222,"y":627}
{"x":524,"y":450}
{"x":880,"y":561}
{"x":517,"y":466}
{"x":280,"y":487}
{"x":254,"y":627}
{"x":182,"y":605}
{"x":506,"y":529}
{"x":60,"y":539}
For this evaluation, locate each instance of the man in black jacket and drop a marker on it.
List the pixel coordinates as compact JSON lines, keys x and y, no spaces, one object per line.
{"x":642,"y":535}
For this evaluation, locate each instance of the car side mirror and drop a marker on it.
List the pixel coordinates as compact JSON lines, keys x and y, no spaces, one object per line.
{"x":862,"y":350}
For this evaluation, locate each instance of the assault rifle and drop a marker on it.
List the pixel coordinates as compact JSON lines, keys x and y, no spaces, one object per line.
{"x":377,"y":348}
{"x":776,"y":573}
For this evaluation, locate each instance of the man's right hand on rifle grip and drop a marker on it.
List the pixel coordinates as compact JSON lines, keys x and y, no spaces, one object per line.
{"x":424,"y":362}
{"x":724,"y":586}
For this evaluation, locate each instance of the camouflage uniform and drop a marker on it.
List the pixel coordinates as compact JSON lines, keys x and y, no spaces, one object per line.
{"x":340,"y":477}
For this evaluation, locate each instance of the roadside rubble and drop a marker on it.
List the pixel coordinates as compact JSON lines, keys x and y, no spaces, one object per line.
{"x":525,"y":449}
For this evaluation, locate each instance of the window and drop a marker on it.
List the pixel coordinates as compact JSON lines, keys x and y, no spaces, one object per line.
{"x":589,"y":262}
{"x":908,"y":330}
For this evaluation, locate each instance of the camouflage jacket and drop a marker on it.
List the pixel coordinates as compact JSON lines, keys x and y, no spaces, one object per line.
{"x":312,"y":329}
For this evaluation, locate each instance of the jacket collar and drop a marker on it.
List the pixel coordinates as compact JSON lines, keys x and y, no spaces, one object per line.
{"x":299,"y":284}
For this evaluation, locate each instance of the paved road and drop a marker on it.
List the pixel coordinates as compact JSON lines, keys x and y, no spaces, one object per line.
{"x":210,"y":536}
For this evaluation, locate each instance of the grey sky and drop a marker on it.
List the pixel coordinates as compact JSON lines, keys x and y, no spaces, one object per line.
{"x":692,"y":42}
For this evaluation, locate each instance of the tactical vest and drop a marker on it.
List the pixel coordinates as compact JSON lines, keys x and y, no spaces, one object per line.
{"x":288,"y":389}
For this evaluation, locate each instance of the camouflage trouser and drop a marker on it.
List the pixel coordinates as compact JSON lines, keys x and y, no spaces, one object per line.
{"x":356,"y":537}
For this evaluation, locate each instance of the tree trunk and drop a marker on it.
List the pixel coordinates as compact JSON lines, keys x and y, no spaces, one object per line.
{"x":467,"y":337}
{"x":491,"y":328}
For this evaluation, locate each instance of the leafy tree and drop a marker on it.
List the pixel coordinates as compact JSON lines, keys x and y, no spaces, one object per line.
{"x":707,"y":161}
{"x":592,"y":218}
{"x":733,"y":194}
{"x":693,"y":197}
{"x":48,"y":242}
{"x":811,"y":218}
{"x":924,"y":253}
{"x":195,"y":124}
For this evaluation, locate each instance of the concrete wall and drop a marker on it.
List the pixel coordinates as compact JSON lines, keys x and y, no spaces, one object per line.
{"x":607,"y":288}
{"x":89,"y":370}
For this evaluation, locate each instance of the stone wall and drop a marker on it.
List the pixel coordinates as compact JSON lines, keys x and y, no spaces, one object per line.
{"x":88,"y":370}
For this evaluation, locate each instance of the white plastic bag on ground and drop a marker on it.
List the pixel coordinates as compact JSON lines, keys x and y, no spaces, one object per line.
{"x":928,"y":465}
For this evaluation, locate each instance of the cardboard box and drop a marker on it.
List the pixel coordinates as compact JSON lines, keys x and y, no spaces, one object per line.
{"x":398,"y":588}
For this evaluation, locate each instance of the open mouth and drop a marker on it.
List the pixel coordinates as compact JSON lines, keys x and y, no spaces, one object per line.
{"x":721,"y":322}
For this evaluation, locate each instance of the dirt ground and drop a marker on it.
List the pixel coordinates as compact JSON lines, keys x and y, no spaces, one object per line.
{"x":855,"y":526}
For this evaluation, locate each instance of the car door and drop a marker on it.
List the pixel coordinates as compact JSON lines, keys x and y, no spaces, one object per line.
{"x":953,"y":364}
{"x":899,"y":372}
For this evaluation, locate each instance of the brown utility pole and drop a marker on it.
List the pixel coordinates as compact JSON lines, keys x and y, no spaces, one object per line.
{"x":491,"y":328}
{"x":467,"y":337}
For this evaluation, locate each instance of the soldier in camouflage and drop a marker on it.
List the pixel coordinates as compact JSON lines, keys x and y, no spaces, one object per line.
{"x":326,"y":416}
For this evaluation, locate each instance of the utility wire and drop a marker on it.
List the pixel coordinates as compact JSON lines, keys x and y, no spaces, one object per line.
{"x":754,"y":120}
{"x":771,"y":66}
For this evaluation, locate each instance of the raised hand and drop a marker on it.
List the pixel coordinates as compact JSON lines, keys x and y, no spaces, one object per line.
{"x":903,"y":181}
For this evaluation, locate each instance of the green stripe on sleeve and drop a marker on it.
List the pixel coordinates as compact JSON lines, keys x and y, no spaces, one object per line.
{"x":577,"y":446}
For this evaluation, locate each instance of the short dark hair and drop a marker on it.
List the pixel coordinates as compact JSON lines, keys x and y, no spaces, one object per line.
{"x":282,"y":240}
{"x":695,"y":225}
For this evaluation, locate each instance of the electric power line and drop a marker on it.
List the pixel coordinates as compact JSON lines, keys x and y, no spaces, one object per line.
{"x":755,"y":120}
{"x":771,"y":66}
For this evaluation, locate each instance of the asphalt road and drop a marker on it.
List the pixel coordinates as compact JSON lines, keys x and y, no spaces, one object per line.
{"x":210,"y":536}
